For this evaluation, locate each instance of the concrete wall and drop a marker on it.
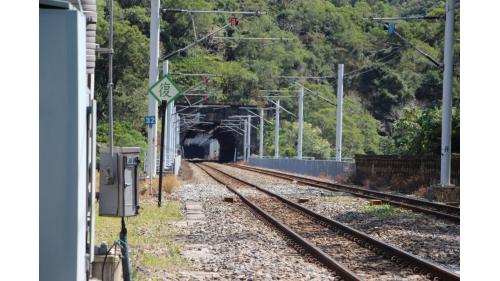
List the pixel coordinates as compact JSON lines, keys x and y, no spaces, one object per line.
{"x":63,"y":102}
{"x":328,"y":168}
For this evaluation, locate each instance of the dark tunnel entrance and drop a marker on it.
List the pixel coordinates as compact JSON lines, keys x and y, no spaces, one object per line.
{"x":218,"y":146}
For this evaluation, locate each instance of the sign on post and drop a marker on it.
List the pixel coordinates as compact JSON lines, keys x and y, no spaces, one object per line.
{"x":150,"y":120}
{"x":164,"y":90}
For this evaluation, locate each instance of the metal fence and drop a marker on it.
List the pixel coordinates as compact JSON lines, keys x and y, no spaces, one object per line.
{"x":328,"y":168}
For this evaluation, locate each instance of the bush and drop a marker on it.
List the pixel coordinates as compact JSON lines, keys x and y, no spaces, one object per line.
{"x":124,"y":136}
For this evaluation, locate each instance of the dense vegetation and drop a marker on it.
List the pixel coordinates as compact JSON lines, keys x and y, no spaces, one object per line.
{"x":392,"y":93}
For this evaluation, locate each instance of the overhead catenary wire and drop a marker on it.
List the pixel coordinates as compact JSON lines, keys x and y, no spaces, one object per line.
{"x":177,"y":10}
{"x":327,"y":77}
{"x":253,"y":38}
{"x":420,"y":17}
{"x":196,"y":42}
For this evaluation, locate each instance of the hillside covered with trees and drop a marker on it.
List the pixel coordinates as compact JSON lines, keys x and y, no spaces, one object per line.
{"x":392,"y":93}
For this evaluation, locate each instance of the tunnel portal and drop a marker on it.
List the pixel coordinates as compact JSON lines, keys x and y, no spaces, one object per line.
{"x":203,"y":137}
{"x":218,"y":146}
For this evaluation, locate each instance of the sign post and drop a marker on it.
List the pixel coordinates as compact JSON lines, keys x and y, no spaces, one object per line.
{"x":150,"y":121}
{"x":164,"y":91}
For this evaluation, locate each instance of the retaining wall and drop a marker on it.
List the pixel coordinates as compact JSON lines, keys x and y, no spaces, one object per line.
{"x":427,"y":167}
{"x":328,"y":168}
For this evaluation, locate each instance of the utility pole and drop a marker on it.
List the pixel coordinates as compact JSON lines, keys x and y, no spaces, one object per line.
{"x":163,"y":110}
{"x":340,"y":94}
{"x":249,"y":135}
{"x":245,"y":140}
{"x":110,"y":83}
{"x":154,"y":53}
{"x":277,"y":130}
{"x":261,"y":133}
{"x":301,"y":122}
{"x":170,"y":133}
{"x":449,"y":39}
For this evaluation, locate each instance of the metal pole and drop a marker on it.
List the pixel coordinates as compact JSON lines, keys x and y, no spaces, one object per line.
{"x":340,"y":95}
{"x":249,"y":136}
{"x":447,"y":93}
{"x":170,"y":111}
{"x":245,"y":141}
{"x":162,"y":151}
{"x":154,"y":54}
{"x":176,"y":131}
{"x":277,"y":130}
{"x":167,"y":117}
{"x":110,"y":82}
{"x":261,"y":134}
{"x":301,"y":122}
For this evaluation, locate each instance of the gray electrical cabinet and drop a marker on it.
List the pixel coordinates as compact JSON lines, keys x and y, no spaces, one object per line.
{"x":118,"y":185}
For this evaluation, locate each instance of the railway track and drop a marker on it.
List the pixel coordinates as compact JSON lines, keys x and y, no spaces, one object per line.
{"x":439,"y":210}
{"x":351,"y":254}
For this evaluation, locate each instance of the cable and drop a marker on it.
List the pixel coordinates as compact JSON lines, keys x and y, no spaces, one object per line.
{"x":357,"y":71}
{"x":106,"y":256}
{"x":124,"y":246}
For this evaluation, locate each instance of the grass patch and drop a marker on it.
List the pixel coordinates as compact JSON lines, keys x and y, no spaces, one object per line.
{"x":169,"y":262}
{"x":170,"y":184}
{"x":150,"y":238}
{"x":385,"y":211}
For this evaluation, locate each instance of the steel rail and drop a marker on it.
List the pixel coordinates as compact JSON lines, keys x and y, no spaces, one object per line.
{"x":448,"y":208}
{"x":392,"y":199}
{"x":391,"y":252}
{"x":317,"y":253}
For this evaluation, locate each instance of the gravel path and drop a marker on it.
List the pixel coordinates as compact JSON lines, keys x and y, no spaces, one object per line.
{"x":422,"y":235}
{"x":235,"y":244}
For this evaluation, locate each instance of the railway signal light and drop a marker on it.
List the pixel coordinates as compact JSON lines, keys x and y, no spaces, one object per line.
{"x":233,"y":21}
{"x":390,"y":28}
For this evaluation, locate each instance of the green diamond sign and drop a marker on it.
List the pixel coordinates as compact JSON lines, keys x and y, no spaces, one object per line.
{"x":164,"y":90}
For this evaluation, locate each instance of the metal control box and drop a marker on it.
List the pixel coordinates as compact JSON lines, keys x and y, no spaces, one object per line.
{"x":118,"y":185}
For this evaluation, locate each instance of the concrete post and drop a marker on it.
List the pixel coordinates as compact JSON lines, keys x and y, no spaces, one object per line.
{"x":177,"y":131}
{"x":261,"y":133}
{"x":154,"y":52}
{"x":245,"y":140}
{"x":249,"y":136}
{"x":277,"y":131}
{"x":340,"y":95}
{"x":449,"y":39}
{"x":301,"y":122}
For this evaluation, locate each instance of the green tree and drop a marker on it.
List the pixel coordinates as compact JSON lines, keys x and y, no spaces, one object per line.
{"x":383,"y":73}
{"x":313,"y":144}
{"x":418,"y":131}
{"x":124,"y":135}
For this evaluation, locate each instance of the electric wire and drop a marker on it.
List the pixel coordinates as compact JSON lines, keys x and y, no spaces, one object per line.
{"x":106,"y":256}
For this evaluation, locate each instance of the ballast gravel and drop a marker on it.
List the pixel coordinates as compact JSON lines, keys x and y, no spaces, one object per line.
{"x":233,"y":243}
